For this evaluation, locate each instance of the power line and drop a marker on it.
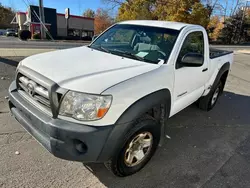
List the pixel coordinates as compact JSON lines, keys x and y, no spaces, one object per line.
{"x":35,"y":14}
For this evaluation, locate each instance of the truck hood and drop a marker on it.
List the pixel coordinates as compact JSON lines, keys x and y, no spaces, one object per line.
{"x":86,"y":70}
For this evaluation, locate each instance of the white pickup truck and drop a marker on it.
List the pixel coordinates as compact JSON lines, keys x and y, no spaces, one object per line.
{"x":108,"y":102}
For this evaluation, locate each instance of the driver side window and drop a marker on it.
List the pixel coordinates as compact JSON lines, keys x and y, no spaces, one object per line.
{"x":194,"y":43}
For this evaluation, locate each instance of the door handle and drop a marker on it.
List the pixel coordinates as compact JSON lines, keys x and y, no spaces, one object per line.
{"x":204,"y":70}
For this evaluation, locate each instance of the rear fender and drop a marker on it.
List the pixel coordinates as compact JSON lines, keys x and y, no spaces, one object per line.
{"x":223,"y":69}
{"x":216,"y":79}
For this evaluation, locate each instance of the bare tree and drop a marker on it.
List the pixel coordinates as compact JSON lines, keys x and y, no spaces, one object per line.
{"x":89,"y":13}
{"x":211,"y":5}
{"x":223,"y":8}
{"x":117,"y":2}
{"x":236,"y":5}
{"x":114,"y":3}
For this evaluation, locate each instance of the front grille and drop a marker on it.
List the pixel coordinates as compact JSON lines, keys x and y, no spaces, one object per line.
{"x":34,"y":90}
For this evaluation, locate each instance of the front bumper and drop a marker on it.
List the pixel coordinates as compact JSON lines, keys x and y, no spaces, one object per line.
{"x":66,"y":140}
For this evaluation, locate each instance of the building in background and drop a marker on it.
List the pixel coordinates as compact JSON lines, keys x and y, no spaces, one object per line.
{"x":78,"y":26}
{"x":245,"y":8}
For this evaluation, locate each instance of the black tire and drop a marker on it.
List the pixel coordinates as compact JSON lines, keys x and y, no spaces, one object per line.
{"x":117,"y":164}
{"x":205,"y":103}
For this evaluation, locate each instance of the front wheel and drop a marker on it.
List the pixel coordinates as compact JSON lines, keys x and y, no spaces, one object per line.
{"x":139,"y":146}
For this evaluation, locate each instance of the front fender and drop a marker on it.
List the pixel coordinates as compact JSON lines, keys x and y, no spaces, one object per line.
{"x":146,"y":103}
{"x":125,"y":123}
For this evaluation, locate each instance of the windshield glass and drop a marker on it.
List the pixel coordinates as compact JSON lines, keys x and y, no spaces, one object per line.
{"x":143,"y":43}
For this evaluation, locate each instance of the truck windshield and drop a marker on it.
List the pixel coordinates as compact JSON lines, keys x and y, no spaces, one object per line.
{"x":143,"y":43}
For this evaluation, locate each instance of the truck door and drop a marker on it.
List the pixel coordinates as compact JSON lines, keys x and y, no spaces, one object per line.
{"x":190,"y":79}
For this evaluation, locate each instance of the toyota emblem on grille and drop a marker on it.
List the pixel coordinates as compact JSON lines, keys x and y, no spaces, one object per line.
{"x":31,"y":89}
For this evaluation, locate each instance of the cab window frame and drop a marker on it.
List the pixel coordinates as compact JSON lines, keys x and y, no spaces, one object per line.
{"x":197,"y":33}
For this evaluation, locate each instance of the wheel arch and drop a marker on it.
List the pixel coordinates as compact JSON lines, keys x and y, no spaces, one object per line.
{"x":223,"y":78}
{"x":160,"y":99}
{"x":222,"y":75}
{"x":204,"y":101}
{"x":144,"y":104}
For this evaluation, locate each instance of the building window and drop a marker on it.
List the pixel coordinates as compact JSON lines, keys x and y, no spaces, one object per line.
{"x":74,"y":32}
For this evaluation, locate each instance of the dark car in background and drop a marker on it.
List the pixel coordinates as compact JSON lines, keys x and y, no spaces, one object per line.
{"x":11,"y":32}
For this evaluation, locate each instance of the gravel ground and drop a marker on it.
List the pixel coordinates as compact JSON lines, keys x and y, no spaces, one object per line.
{"x":206,"y":149}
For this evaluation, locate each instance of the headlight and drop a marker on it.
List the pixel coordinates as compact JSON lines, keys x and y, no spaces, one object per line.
{"x":83,"y":106}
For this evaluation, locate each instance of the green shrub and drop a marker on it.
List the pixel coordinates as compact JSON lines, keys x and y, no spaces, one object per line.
{"x":48,"y":37}
{"x":36,"y":36}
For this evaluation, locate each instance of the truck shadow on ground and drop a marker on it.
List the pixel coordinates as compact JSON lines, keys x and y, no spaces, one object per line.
{"x":13,"y":61}
{"x":200,"y":142}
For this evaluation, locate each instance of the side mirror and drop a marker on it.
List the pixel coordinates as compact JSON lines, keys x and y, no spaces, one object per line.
{"x":192,"y":60}
{"x":94,"y":37}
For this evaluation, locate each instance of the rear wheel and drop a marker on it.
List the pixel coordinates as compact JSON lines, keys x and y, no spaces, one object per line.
{"x":139,"y":146}
{"x":208,"y":102}
{"x":215,"y":96}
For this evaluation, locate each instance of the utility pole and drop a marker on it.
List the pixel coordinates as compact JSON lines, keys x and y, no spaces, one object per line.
{"x":41,"y":14}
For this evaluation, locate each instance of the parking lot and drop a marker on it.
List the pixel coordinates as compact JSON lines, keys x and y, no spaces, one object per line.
{"x":14,"y":42}
{"x":206,"y":149}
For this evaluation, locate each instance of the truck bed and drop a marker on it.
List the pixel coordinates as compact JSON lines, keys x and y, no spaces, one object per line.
{"x":214,"y":53}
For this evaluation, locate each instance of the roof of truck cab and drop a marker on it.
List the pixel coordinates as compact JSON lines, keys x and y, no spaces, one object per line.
{"x":155,"y":23}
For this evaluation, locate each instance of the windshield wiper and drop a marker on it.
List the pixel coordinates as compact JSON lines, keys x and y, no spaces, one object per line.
{"x":100,"y":48}
{"x":104,"y":49}
{"x":128,"y":54}
{"x":131,"y":55}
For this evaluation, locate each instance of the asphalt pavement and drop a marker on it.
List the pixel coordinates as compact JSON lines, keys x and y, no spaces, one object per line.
{"x":206,"y":149}
{"x":14,"y":42}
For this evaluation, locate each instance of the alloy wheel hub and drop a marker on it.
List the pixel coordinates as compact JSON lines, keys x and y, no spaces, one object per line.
{"x":215,"y":96}
{"x":138,"y":149}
